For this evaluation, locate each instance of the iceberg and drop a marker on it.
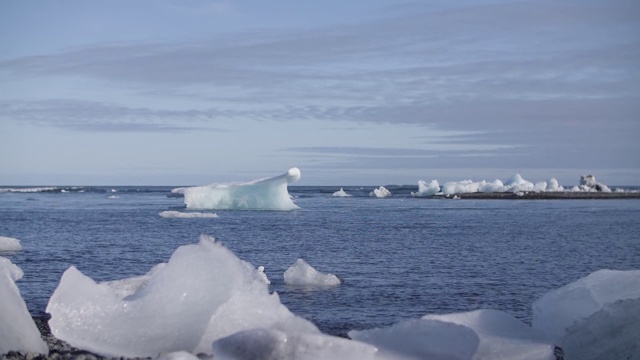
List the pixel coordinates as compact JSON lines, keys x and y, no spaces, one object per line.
{"x":263,"y":194}
{"x":558,"y":309}
{"x":187,"y":215}
{"x":202,"y":294}
{"x":18,"y":332}
{"x":480,"y":334}
{"x":9,"y":244}
{"x":380,"y":192}
{"x":340,"y":193}
{"x":515,"y":184}
{"x":427,"y":190}
{"x":303,"y":274}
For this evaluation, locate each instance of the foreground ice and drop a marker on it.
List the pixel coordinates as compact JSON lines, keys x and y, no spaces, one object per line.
{"x":202,"y":294}
{"x":18,"y":332}
{"x":610,"y":333}
{"x":340,"y":193}
{"x":558,"y":309}
{"x":9,"y":244}
{"x":186,"y":215}
{"x":273,"y":344}
{"x":264,"y":194}
{"x":380,"y":192}
{"x":480,"y":334}
{"x":303,"y":274}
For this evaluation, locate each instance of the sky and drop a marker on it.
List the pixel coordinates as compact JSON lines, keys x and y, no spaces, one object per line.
{"x":375,"y":92}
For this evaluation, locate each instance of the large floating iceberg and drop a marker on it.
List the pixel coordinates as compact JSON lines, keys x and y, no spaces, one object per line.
{"x":263,"y":194}
{"x":18,"y":332}
{"x":202,"y":294}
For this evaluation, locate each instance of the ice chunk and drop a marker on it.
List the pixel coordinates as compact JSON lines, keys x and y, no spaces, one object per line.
{"x":264,"y":194}
{"x":558,"y":309}
{"x":177,"y":355}
{"x":9,"y":244}
{"x":480,"y":334}
{"x":460,"y":187}
{"x":187,"y":215}
{"x":610,"y":333}
{"x":517,"y":184}
{"x":427,"y":190}
{"x":552,"y":185}
{"x":273,"y":344}
{"x":589,"y":183}
{"x":303,"y":274}
{"x":263,"y":276}
{"x":380,"y":192}
{"x":491,"y":187}
{"x":340,"y":193}
{"x":202,"y":293}
{"x":18,"y":332}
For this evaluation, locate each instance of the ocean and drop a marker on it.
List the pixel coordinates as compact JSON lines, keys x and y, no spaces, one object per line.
{"x":398,"y":257}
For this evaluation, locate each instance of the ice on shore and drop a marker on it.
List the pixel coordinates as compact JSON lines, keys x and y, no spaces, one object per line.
{"x":340,"y":193}
{"x":202,"y":294}
{"x":9,"y":244}
{"x":558,"y":309}
{"x":18,"y":332}
{"x":263,"y":194}
{"x":610,"y":333}
{"x":303,"y":274}
{"x":380,"y":192}
{"x":274,"y":344}
{"x":480,"y":334}
{"x":425,"y":189}
{"x":186,"y":215}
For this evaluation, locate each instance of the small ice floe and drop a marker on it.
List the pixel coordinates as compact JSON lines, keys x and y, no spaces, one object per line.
{"x":380,"y":192}
{"x":263,"y":276}
{"x":187,"y":215}
{"x":340,"y":193}
{"x":303,"y":274}
{"x":9,"y":244}
{"x":113,"y":197}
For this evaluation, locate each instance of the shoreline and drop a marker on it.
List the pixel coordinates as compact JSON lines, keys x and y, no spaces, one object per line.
{"x":541,"y":196}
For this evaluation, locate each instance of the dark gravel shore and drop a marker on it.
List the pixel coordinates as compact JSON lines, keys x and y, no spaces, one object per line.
{"x":545,"y":196}
{"x":58,"y":349}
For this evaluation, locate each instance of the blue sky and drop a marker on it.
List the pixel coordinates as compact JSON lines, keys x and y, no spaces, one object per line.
{"x":361,"y":92}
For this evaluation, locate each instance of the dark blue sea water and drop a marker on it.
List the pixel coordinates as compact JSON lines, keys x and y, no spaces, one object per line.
{"x":399,"y":257}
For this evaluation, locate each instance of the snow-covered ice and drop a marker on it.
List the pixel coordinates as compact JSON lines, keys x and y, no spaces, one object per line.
{"x":202,"y":294}
{"x":340,"y":193}
{"x":186,"y":215}
{"x":558,"y":309}
{"x":380,"y":192}
{"x":480,"y":334}
{"x":9,"y":244}
{"x":263,"y":194}
{"x":303,"y":274}
{"x":425,"y":189}
{"x":18,"y":332}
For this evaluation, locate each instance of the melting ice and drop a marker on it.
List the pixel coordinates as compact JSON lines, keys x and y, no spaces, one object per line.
{"x":9,"y":244}
{"x":18,"y":332}
{"x":303,"y":274}
{"x":263,"y":194}
{"x":340,"y":193}
{"x":187,"y":215}
{"x":380,"y":192}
